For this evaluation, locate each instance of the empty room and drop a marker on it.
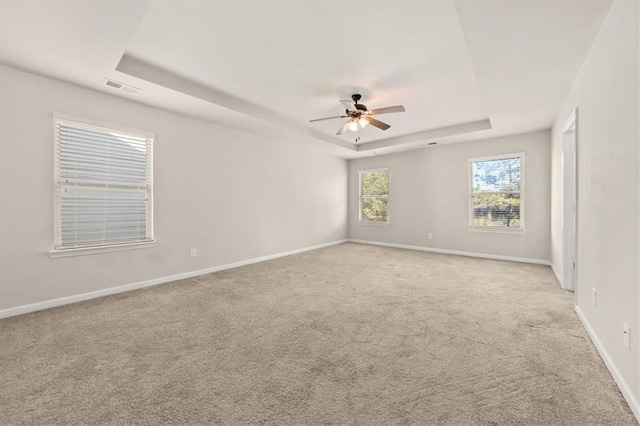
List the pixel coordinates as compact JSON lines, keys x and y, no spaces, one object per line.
{"x":319,"y":212}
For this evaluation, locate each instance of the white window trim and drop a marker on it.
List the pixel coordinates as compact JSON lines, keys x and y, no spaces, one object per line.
{"x":57,"y":251}
{"x":498,"y":229}
{"x":81,"y":251}
{"x":366,"y":222}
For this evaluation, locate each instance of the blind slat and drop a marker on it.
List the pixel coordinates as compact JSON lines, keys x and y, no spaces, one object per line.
{"x":99,"y":134}
{"x":93,"y":148}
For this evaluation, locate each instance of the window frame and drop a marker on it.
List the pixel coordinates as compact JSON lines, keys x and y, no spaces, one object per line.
{"x":498,"y":229}
{"x":360,"y":196}
{"x":149,"y":241}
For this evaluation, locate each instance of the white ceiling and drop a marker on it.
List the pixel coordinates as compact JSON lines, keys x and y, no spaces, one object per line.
{"x":463,"y":70}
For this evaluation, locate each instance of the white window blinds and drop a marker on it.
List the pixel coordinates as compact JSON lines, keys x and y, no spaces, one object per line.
{"x":497,"y":192}
{"x":104,"y":185}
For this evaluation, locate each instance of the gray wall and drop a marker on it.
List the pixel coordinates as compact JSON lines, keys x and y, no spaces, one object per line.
{"x":429,"y":193}
{"x":232,"y":195}
{"x":606,"y":95}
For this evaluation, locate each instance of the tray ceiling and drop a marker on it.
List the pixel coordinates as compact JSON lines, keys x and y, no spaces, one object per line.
{"x":463,"y":70}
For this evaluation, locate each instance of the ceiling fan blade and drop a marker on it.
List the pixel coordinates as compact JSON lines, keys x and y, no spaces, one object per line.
{"x":376,"y":123}
{"x":343,"y":129}
{"x":328,"y":118}
{"x":349,"y":105}
{"x":386,"y":110}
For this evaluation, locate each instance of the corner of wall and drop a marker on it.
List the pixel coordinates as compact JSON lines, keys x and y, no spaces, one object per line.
{"x":556,"y":273}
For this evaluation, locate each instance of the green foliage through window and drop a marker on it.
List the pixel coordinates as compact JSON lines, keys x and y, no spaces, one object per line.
{"x":374,"y":195}
{"x":496,"y":193}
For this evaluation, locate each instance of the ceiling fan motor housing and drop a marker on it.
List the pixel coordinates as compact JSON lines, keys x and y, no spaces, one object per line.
{"x":360,"y":107}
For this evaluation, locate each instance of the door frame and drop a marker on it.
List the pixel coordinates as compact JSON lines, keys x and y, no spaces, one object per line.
{"x":570,"y":203}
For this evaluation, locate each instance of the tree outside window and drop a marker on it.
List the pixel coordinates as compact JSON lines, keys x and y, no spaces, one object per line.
{"x":374,"y":196}
{"x":497,"y":192}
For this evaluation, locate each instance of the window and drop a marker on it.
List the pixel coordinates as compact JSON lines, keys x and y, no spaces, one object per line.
{"x":104,"y":185}
{"x":374,"y":196}
{"x":497,"y":192}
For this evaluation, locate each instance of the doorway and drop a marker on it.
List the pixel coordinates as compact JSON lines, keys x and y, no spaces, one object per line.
{"x":570,"y":189}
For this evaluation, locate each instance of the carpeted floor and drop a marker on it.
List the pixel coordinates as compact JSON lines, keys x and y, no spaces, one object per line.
{"x":350,"y":334}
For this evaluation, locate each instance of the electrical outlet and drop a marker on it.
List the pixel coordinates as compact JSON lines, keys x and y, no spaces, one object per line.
{"x":326,"y":232}
{"x":194,"y":252}
{"x":430,"y":236}
{"x":594,"y":296}
{"x":626,"y":334}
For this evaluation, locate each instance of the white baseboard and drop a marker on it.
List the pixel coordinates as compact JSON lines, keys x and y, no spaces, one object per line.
{"x":555,"y":272}
{"x":33,"y":307}
{"x":459,"y":253}
{"x":634,"y":403}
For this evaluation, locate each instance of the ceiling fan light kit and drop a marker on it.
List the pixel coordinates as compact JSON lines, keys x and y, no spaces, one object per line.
{"x":360,"y":116}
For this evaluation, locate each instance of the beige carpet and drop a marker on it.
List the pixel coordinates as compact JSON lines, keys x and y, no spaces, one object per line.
{"x":350,"y":334}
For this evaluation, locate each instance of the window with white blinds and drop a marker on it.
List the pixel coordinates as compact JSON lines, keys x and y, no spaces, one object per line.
{"x":497,"y":192}
{"x":104,"y":185}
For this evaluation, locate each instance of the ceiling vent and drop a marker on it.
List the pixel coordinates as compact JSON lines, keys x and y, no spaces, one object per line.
{"x":120,"y":86}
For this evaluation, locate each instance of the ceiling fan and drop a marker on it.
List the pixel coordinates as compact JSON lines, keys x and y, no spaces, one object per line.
{"x":359,"y":116}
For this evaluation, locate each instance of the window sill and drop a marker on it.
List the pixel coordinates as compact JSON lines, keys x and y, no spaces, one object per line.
{"x":498,"y":230}
{"x":82,"y":251}
{"x":362,"y":222}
